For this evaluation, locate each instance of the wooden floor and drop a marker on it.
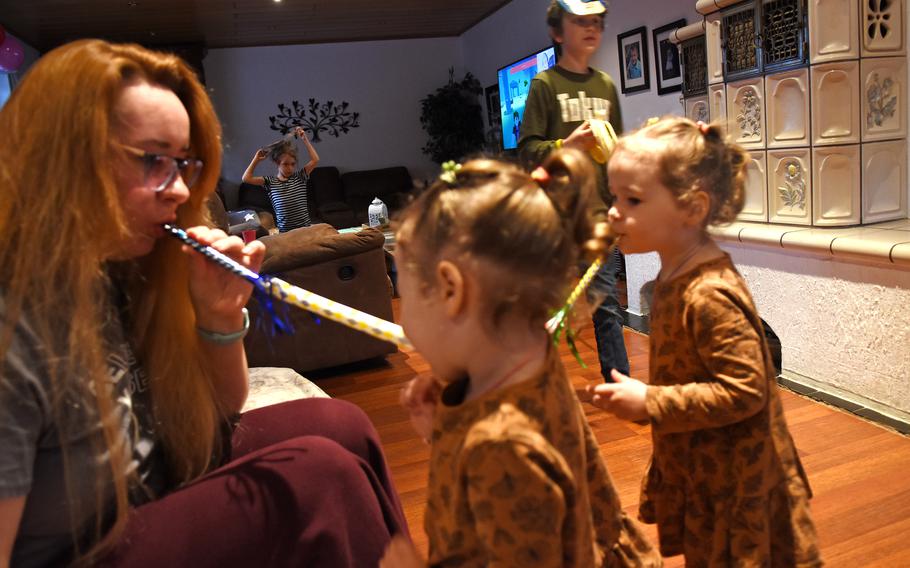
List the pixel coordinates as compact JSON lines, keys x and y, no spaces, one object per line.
{"x":860,"y":472}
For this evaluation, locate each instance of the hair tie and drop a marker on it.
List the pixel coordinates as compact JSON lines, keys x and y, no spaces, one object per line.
{"x":541,"y":176}
{"x":652,"y":121}
{"x":450,"y":172}
{"x":702,"y":127}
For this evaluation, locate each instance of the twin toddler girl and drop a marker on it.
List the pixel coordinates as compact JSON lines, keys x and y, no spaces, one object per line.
{"x":516,"y":477}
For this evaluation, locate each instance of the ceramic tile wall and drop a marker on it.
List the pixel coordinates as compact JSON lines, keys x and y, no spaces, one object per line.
{"x":832,"y":131}
{"x":884,"y":180}
{"x":833,"y":30}
{"x":746,"y":112}
{"x":790,"y":186}
{"x":755,"y":205}
{"x":697,"y":108}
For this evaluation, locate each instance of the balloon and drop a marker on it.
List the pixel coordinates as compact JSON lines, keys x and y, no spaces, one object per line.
{"x":11,"y":54}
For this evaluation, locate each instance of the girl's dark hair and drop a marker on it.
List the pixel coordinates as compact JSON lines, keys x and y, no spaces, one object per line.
{"x":695,"y":157}
{"x":532,"y":232}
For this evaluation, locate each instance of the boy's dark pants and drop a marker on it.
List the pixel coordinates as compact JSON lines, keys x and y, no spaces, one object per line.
{"x":611,"y":350}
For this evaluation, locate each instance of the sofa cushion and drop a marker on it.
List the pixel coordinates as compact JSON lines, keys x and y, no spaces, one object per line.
{"x":376,"y":183}
{"x":274,"y":385}
{"x":217,"y":213}
{"x":253,"y":197}
{"x":307,"y":246}
{"x":338,"y":214}
{"x":325,"y":186}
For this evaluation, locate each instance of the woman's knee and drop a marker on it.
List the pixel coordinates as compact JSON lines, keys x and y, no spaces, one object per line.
{"x":337,"y":420}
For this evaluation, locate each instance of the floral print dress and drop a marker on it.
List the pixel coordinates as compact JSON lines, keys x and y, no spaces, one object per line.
{"x":517,"y":479}
{"x":725,"y":486}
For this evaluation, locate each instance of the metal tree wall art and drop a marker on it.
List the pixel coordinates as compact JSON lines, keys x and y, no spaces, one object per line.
{"x":315,"y":118}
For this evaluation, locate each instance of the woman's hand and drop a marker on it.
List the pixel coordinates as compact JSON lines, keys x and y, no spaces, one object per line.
{"x":219,"y":295}
{"x":261,"y":155}
{"x":401,"y":554}
{"x":625,"y":398}
{"x":299,"y":132}
{"x":419,"y":397}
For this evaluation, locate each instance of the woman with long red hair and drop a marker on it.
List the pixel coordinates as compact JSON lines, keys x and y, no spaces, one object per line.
{"x":122,"y":373}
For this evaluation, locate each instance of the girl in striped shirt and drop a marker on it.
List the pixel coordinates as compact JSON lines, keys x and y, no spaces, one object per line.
{"x":288,"y":189}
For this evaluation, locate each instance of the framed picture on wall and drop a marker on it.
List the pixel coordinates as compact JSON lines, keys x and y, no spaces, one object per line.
{"x":634,"y":73}
{"x":666,"y":59}
{"x":493,"y":132}
{"x":491,"y":96}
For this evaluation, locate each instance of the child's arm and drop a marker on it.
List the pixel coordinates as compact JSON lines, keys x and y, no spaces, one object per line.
{"x":736,"y":387}
{"x":314,"y":157}
{"x":517,"y":504}
{"x":730,"y":346}
{"x":248,"y":176}
{"x":624,"y":397}
{"x":419,"y":396}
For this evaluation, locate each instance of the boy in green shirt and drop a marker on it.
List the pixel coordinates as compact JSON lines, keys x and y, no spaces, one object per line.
{"x":560,"y":102}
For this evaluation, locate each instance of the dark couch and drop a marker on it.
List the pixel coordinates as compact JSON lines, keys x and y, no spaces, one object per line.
{"x":342,"y":199}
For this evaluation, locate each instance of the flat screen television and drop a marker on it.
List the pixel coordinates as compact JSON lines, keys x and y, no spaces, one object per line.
{"x":514,"y":83}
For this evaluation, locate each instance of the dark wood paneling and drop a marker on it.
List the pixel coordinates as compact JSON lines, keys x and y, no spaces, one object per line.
{"x":45,"y":24}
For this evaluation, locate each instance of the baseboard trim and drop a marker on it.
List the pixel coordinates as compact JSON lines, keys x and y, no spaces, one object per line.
{"x":641,"y":324}
{"x":849,"y":402}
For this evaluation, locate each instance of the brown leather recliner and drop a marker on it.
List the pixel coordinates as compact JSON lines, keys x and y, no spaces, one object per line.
{"x":348,"y":268}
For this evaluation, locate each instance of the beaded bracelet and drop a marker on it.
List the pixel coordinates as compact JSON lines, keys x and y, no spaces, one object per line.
{"x":226,"y":338}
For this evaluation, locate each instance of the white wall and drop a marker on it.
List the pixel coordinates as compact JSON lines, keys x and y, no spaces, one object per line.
{"x":514,"y":31}
{"x":841,"y":324}
{"x":383,"y":80}
{"x":519,"y":28}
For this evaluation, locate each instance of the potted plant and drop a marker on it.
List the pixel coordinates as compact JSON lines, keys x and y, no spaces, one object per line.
{"x":453,"y":119}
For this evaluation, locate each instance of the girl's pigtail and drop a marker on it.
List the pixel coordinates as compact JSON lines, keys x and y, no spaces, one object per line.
{"x":571,"y":189}
{"x":712,"y":132}
{"x":732,"y":186}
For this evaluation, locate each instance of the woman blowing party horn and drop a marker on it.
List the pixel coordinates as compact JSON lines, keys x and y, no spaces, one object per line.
{"x":122,"y":370}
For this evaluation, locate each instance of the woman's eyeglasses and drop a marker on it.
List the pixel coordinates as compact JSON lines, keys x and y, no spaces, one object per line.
{"x":161,"y":170}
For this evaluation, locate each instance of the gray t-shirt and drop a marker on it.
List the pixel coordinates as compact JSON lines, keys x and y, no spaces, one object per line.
{"x":31,"y":456}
